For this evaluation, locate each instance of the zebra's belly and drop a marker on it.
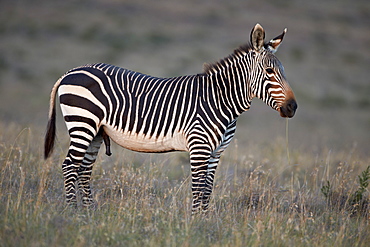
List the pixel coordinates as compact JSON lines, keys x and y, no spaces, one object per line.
{"x":142,"y":143}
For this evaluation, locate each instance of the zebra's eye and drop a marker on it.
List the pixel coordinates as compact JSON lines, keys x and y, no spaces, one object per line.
{"x":269,"y":71}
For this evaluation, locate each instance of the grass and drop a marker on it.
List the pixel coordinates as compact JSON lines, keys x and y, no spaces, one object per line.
{"x":144,"y":200}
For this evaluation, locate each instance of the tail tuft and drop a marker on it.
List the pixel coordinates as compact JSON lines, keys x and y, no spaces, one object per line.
{"x":50,"y":136}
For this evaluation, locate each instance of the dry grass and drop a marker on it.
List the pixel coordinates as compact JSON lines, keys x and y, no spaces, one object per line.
{"x":144,"y":200}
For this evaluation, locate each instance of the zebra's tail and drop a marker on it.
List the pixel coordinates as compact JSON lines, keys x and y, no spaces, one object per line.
{"x":50,"y":129}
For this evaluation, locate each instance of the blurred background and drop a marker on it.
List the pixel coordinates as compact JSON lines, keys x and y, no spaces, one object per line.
{"x":326,"y":55}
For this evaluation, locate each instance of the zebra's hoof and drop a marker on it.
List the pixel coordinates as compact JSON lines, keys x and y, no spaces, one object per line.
{"x":91,"y":205}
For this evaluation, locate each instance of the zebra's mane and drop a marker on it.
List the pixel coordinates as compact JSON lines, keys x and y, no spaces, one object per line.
{"x":209,"y":67}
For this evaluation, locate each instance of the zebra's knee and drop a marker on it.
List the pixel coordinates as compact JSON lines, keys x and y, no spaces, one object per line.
{"x":70,"y":171}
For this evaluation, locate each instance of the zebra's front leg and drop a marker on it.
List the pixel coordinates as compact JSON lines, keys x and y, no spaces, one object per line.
{"x":213,"y":163}
{"x":198,"y":175}
{"x":209,"y":178}
{"x":199,"y":158}
{"x":85,"y":171}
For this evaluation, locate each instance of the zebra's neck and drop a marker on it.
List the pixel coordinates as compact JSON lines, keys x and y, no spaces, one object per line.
{"x":228,"y":81}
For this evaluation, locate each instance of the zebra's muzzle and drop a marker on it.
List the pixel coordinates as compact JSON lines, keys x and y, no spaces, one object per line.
{"x":288,"y":109}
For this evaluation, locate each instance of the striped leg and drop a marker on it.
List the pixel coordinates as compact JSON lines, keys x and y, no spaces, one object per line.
{"x":81,"y":139}
{"x":70,"y":166}
{"x":85,"y":170}
{"x":213,"y":163}
{"x":209,"y":178}
{"x":199,"y":157}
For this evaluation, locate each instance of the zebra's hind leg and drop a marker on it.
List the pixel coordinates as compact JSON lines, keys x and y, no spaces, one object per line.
{"x":85,"y":170}
{"x":81,"y":139}
{"x":70,"y":173}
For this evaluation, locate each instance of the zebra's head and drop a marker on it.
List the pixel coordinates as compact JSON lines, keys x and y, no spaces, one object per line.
{"x":268,"y":81}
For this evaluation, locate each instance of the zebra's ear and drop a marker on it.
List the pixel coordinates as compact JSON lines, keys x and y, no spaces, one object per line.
{"x":257,"y":37}
{"x":274,"y":44}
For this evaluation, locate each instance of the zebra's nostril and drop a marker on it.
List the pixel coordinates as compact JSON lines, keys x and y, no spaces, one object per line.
{"x":289,"y":109}
{"x":292,"y":105}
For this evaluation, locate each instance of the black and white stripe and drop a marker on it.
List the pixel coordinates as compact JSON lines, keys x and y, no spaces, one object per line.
{"x":195,"y":113}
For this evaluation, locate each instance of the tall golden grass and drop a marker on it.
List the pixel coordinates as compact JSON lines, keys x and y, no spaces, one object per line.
{"x":144,"y":199}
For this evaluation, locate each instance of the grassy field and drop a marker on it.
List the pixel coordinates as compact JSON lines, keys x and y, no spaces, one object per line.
{"x":270,"y":190}
{"x":144,"y":200}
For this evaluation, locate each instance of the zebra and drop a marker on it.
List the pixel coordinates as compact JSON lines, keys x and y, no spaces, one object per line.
{"x":192,"y":113}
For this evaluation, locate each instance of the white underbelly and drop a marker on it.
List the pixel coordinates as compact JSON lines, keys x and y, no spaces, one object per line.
{"x":142,"y":143}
